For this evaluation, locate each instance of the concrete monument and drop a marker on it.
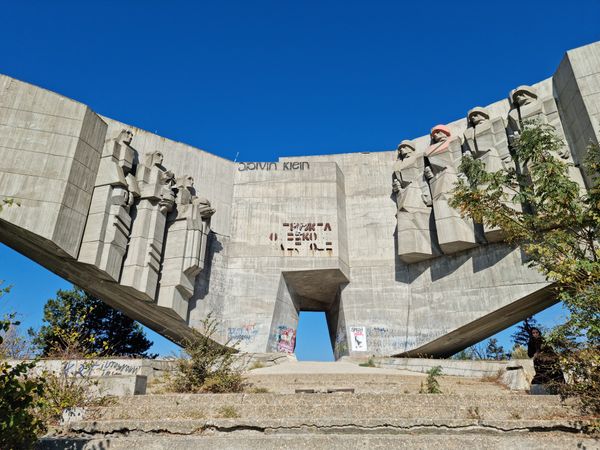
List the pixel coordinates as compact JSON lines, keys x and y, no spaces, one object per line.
{"x":169,"y":234}
{"x":416,"y":233}
{"x":444,"y":156}
{"x":486,"y":140}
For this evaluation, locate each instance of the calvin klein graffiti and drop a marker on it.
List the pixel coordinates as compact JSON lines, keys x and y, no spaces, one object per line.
{"x":287,"y":165}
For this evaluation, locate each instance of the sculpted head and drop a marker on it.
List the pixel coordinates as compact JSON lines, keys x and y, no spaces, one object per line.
{"x":153,"y":159}
{"x":440,"y":133}
{"x":125,"y":137}
{"x":523,"y":95}
{"x":186,"y":182}
{"x":477,"y":115}
{"x":405,"y":149}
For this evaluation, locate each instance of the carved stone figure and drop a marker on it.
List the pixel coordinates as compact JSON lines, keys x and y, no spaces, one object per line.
{"x":188,"y":227}
{"x":526,"y":106}
{"x":444,"y":155}
{"x":485,"y":139}
{"x":107,"y":229}
{"x":156,"y":198}
{"x":416,"y":238}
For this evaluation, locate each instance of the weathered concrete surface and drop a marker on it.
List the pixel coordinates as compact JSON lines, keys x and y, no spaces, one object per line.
{"x":454,"y":367}
{"x":255,"y":243}
{"x":103,"y":367}
{"x":119,"y":385}
{"x":502,"y":420}
{"x":335,"y":441}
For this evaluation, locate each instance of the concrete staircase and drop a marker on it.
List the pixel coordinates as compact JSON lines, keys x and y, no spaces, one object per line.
{"x":379,"y":414}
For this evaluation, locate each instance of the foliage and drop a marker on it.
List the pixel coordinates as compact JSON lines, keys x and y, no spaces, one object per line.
{"x":494,"y":351}
{"x":65,"y":391}
{"x":258,"y":390}
{"x":7,"y":202}
{"x":15,"y":345}
{"x":207,"y":366}
{"x":521,"y":336}
{"x":256,"y":365}
{"x":77,"y":324}
{"x":229,"y":412}
{"x":518,"y":352}
{"x":540,"y":208}
{"x":19,"y":395}
{"x":432,"y":385}
{"x":474,"y":352}
{"x":368,"y":363}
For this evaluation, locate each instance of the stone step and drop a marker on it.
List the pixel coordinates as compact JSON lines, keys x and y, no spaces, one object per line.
{"x":342,"y":405}
{"x":516,"y":399}
{"x":312,"y":426}
{"x":367,"y":383}
{"x":333,"y":441}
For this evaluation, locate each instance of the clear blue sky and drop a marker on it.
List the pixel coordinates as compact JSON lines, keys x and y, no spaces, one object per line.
{"x":276,"y":78}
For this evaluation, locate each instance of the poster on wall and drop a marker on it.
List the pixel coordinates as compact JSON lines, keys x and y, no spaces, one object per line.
{"x":286,"y":339}
{"x":358,"y":336}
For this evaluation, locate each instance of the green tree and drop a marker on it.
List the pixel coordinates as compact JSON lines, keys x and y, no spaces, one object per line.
{"x":540,"y":208}
{"x":521,"y":336}
{"x":20,"y":395}
{"x":207,"y":366}
{"x":494,"y":351}
{"x":78,"y":324}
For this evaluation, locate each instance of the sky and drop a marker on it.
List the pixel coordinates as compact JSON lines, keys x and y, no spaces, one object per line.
{"x":262,"y":79}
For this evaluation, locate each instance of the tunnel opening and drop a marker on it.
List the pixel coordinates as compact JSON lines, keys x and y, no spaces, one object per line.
{"x":313,"y":342}
{"x":308,"y":316}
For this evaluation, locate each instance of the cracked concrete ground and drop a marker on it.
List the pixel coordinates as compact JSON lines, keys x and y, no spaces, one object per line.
{"x":470,"y":414}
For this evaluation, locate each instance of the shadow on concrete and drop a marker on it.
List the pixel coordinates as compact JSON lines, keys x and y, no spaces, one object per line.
{"x":406,"y":273}
{"x":202,"y":286}
{"x":72,"y":444}
{"x":487,"y":256}
{"x":447,"y":264}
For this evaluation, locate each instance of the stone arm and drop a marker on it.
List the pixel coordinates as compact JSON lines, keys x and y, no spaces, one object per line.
{"x":396,"y":184}
{"x":469,"y":140}
{"x":500,"y":139}
{"x":426,"y":195}
{"x":428,"y":173}
{"x":455,"y":149}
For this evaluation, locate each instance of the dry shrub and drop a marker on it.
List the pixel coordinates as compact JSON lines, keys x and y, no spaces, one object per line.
{"x":206,"y":365}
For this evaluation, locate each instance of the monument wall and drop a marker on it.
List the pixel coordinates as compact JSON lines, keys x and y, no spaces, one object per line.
{"x":171,"y":234}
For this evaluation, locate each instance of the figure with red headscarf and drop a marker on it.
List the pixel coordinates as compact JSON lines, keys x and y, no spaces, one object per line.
{"x":443,"y":159}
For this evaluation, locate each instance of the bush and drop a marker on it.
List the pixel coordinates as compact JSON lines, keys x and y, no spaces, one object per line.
{"x":369,"y":363}
{"x":432,"y":386}
{"x":582,"y":369}
{"x":19,"y":396}
{"x":65,"y":392}
{"x":207,"y":366}
{"x":518,"y":352}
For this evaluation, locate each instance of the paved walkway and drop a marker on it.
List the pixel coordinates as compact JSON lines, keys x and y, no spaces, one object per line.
{"x":318,"y":367}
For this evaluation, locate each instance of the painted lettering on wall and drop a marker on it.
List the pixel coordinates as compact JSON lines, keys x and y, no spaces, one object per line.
{"x":388,"y":340}
{"x":304,"y":238}
{"x":245,"y":333}
{"x":98,"y":368}
{"x":286,"y":165}
{"x":285,"y":337}
{"x":340,"y":347}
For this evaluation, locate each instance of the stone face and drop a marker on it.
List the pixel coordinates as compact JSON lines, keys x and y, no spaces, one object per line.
{"x":169,"y":233}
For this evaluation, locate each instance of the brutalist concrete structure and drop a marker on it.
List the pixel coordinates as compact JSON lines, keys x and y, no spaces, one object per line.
{"x":169,"y":233}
